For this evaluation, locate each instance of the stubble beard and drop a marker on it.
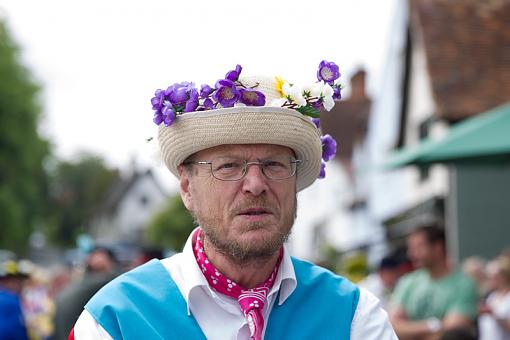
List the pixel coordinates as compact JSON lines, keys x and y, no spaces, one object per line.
{"x":243,"y":253}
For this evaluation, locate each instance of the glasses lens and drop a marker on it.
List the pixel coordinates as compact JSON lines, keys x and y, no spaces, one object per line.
{"x":233,"y":169}
{"x":279,"y":168}
{"x":227,"y":169}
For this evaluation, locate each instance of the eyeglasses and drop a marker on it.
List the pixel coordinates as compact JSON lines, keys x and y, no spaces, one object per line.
{"x":234,"y":169}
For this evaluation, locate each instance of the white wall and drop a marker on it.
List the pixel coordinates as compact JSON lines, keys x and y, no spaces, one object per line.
{"x":421,"y":107}
{"x":387,"y":191}
{"x":132,"y":216}
{"x":323,"y":203}
{"x":392,"y":192}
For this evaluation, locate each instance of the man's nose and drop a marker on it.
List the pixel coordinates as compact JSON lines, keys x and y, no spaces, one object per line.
{"x":255,"y":182}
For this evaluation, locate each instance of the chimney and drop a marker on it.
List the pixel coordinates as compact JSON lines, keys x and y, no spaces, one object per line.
{"x":358,"y":93}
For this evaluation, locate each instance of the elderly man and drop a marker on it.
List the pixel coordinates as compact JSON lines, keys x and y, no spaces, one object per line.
{"x":241,"y":150}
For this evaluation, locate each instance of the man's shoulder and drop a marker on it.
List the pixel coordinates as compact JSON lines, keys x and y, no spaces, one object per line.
{"x":462,"y":281}
{"x":408,"y":282}
{"x":144,"y":276}
{"x":417,"y":275}
{"x":148,"y":271}
{"x":308,"y":269}
{"x":309,"y":274}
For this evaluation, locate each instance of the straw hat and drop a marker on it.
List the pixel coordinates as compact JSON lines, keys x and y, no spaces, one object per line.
{"x":190,"y":132}
{"x":11,"y":268}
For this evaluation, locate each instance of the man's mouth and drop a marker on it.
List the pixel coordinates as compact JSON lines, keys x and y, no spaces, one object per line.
{"x":255,"y":212}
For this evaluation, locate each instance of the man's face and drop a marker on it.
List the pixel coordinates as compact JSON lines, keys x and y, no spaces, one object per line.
{"x":100,"y":262}
{"x":420,"y":251}
{"x":246,"y":219}
{"x":389,"y":277}
{"x":13,"y":283}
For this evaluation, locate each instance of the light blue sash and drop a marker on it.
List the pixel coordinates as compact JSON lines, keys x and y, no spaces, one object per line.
{"x":145,"y":303}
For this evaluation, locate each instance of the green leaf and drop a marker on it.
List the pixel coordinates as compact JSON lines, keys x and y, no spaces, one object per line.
{"x":309,"y":111}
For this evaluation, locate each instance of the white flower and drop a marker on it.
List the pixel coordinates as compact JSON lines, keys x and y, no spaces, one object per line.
{"x":278,"y":102}
{"x":286,"y":89}
{"x":315,"y":89}
{"x":295,"y":92}
{"x":327,"y":94}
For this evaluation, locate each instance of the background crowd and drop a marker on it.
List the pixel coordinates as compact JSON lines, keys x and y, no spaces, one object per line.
{"x":425,"y":295}
{"x":44,"y":303}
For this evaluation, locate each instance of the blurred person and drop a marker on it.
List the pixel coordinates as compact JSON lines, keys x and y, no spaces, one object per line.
{"x":474,"y":267}
{"x":145,"y":255}
{"x":61,"y":277}
{"x":240,"y":168}
{"x":12,"y":319}
{"x":383,"y":281}
{"x":38,"y":305}
{"x":435,"y":297}
{"x":100,"y":260}
{"x":494,"y":320}
{"x":100,"y":268}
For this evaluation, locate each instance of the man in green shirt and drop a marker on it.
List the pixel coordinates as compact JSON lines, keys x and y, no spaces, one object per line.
{"x":435,"y":297}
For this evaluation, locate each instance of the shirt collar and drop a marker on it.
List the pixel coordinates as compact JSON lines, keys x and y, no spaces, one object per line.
{"x":285,"y":282}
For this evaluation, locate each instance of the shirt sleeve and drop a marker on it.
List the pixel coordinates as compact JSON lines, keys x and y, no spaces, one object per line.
{"x":370,"y":320}
{"x":87,"y":328}
{"x":466,"y":298}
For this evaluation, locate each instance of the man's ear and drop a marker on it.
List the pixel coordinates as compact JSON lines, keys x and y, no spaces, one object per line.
{"x":185,"y":187}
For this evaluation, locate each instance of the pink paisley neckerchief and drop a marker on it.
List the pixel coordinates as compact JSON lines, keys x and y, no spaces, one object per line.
{"x":251,"y":300}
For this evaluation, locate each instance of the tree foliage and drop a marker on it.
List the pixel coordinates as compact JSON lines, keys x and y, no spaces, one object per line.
{"x":22,"y":150}
{"x":171,"y":227}
{"x":77,"y":191}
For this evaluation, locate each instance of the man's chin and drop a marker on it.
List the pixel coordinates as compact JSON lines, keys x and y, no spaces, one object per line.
{"x":252,"y":245}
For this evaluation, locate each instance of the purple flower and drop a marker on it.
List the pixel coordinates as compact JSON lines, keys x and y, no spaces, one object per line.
{"x":317,"y":122}
{"x":208,"y":104}
{"x":168,"y":115}
{"x":337,"y":95}
{"x":322,"y":173}
{"x":328,"y":147}
{"x":328,"y":71}
{"x":205,"y":91}
{"x":317,"y":104}
{"x":157,"y":101}
{"x":226,"y":93}
{"x":158,"y":118}
{"x":233,"y":75}
{"x":252,"y":98}
{"x":192,"y":103}
{"x":178,"y":95}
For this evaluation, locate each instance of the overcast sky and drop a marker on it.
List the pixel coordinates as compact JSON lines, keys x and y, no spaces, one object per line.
{"x":100,"y":61}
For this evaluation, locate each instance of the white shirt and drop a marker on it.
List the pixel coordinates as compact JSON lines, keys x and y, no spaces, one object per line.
{"x":220,"y":317}
{"x":375,"y":285}
{"x":489,"y":327}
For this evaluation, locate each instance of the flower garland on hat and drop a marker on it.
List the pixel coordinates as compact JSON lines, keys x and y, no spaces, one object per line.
{"x":184,"y":97}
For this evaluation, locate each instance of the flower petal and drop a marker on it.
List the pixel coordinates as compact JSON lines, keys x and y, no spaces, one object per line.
{"x":278,"y":102}
{"x":328,"y":71}
{"x":328,"y":103}
{"x":328,"y":147}
{"x":322,"y":173}
{"x":252,"y":97}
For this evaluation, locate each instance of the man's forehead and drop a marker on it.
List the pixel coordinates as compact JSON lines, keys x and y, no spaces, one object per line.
{"x":243,"y":150}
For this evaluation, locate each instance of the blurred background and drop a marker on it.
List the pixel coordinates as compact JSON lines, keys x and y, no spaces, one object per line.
{"x":423,"y":128}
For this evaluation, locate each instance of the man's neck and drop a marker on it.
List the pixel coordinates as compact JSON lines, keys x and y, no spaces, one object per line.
{"x":439,"y":269}
{"x":247,"y":275}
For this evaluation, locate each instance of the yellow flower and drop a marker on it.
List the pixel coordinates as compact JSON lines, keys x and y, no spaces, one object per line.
{"x":279,"y":84}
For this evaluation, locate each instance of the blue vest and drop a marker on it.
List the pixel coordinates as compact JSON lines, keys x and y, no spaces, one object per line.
{"x":145,"y":303}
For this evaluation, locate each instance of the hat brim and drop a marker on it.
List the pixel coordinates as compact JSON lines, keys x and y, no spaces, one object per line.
{"x":195,"y":131}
